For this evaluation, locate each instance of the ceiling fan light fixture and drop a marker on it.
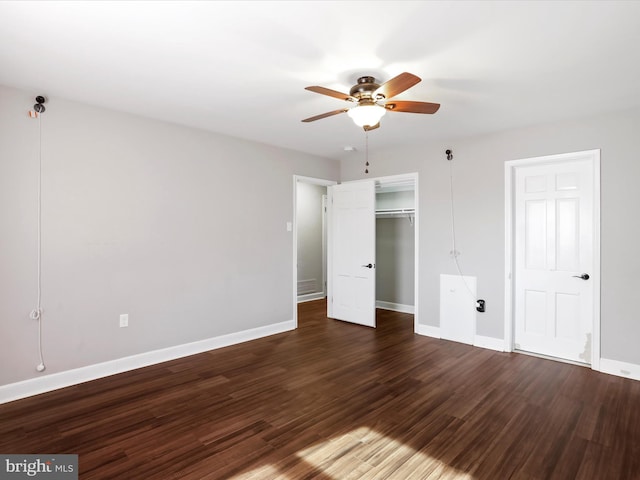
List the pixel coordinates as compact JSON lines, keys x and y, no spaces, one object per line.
{"x":366,"y":115}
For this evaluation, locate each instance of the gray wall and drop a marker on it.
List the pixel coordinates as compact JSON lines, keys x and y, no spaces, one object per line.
{"x":479,"y":199}
{"x":395,"y":268}
{"x":182,"y":229}
{"x":395,"y":250}
{"x":309,"y":225}
{"x":401,"y":199}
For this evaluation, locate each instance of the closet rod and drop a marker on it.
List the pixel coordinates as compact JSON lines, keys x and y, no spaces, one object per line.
{"x":395,"y":211}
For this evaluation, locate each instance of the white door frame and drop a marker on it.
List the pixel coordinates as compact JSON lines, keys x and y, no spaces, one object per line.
{"x":416,"y":225}
{"x":509,"y":194}
{"x":313,"y":181}
{"x":324,"y":243}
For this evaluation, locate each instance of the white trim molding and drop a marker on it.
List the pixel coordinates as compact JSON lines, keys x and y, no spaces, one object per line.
{"x":396,"y":307}
{"x":490,"y":343}
{"x":428,"y":330}
{"x":620,"y":369}
{"x":309,"y":297}
{"x":55,"y":381}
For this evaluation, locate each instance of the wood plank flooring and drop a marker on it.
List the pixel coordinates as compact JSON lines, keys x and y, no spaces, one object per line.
{"x":335,"y":401}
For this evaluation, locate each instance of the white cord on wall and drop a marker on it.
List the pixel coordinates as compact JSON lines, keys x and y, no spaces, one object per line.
{"x":454,"y":251}
{"x":37,"y":313}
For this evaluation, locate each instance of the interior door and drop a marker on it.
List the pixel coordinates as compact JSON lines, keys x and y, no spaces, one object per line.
{"x":553,"y":287}
{"x":352,"y":249}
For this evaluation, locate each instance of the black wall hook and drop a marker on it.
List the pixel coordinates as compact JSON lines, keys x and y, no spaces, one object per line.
{"x":39,"y":106}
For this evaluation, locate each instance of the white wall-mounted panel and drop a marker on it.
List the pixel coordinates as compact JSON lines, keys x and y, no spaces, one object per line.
{"x":458,"y":308}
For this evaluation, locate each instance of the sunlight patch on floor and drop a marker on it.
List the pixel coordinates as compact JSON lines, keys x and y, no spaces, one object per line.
{"x":366,"y":454}
{"x":361,"y":454}
{"x":266,"y":471}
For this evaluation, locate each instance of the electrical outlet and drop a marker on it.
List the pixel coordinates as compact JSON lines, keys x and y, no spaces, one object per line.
{"x":124,"y":320}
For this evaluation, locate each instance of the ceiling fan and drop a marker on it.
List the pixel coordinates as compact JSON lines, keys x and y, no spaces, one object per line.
{"x":373,"y":100}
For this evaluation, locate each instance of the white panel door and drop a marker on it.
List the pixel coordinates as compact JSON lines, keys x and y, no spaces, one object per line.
{"x":554,"y":259}
{"x":352,"y":250}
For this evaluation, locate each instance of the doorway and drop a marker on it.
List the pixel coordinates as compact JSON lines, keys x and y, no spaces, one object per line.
{"x":309,"y":239}
{"x":552,"y":262}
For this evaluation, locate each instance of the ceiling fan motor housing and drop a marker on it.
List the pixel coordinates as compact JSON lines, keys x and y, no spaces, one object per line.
{"x":364,"y":88}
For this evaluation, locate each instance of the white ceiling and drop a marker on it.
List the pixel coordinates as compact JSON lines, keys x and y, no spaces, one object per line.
{"x":240,"y":68}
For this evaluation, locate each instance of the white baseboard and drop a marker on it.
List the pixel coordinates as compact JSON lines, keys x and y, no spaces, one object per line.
{"x":311,"y":296}
{"x":428,"y":330}
{"x":54,"y":381}
{"x":491,"y":343}
{"x":620,"y":369}
{"x":396,"y":307}
{"x":478,"y":341}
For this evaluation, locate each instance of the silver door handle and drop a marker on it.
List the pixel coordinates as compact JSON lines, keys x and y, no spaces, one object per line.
{"x":584,"y":276}
{"x":369,"y":265}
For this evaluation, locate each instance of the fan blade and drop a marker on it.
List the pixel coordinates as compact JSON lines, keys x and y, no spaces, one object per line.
{"x":412,"y":107}
{"x":325,"y":115}
{"x":368,"y":128}
{"x":332,"y":93}
{"x":397,"y":85}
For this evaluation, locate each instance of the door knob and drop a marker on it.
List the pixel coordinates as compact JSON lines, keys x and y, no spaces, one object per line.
{"x":584,"y":276}
{"x":369,"y":265}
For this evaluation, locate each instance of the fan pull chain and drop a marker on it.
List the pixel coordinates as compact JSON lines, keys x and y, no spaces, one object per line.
{"x":366,"y":136}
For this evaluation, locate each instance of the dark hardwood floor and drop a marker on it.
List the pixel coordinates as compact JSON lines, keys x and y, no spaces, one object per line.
{"x":338,"y":401}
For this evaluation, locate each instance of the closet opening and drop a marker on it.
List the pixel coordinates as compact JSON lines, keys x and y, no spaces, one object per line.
{"x":393,"y":243}
{"x":396,"y":244}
